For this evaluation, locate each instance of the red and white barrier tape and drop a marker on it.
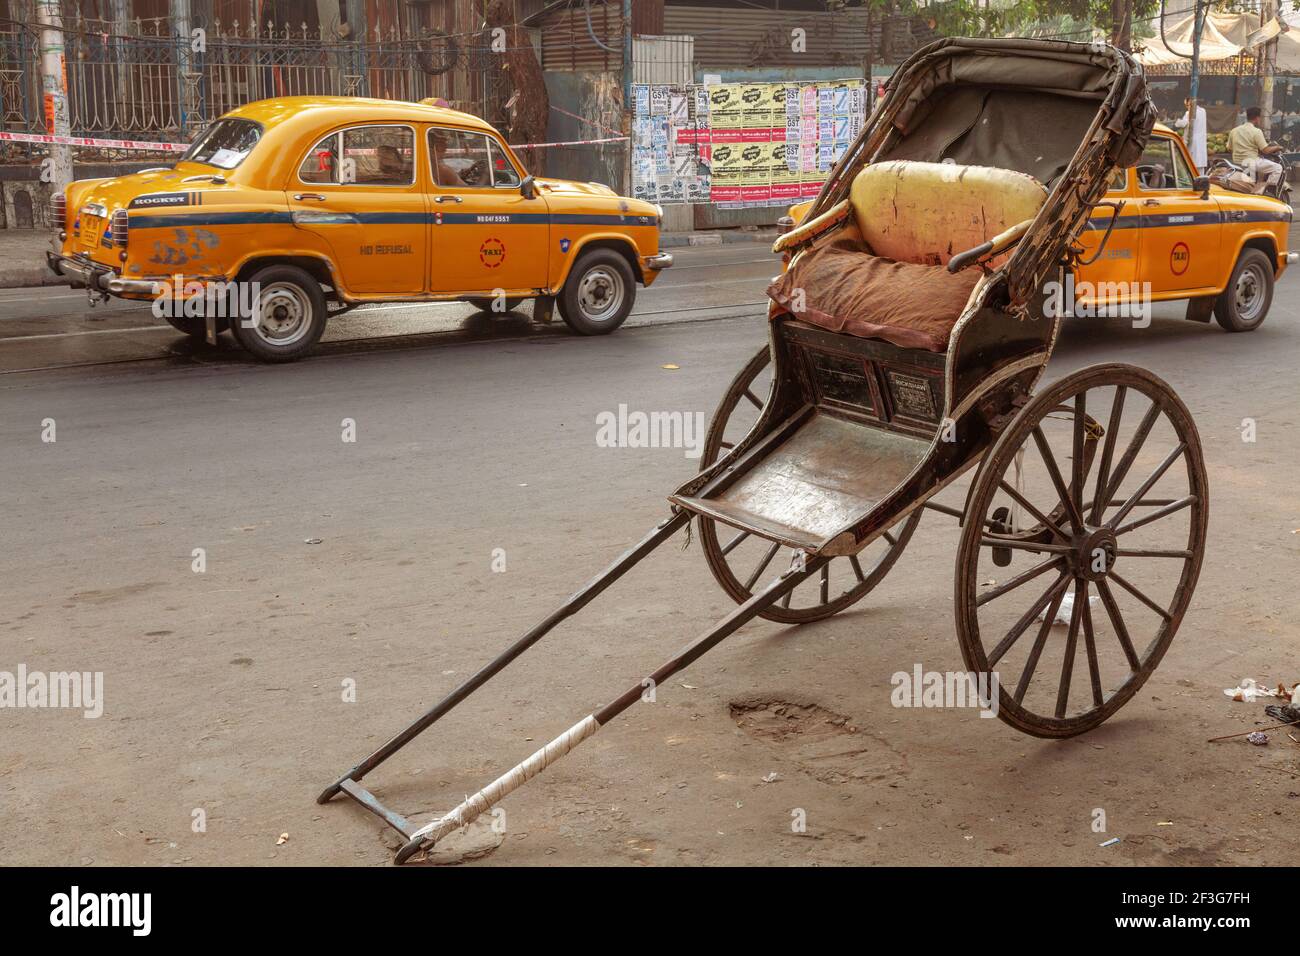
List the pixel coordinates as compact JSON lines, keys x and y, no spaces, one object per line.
{"x":181,"y":147}
{"x":91,"y":141}
{"x":575,"y":142}
{"x":583,"y":119}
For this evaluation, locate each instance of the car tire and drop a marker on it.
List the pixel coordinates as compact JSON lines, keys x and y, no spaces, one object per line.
{"x":485,"y":305}
{"x":599,"y":293}
{"x":291,"y":317}
{"x":196,"y":327}
{"x":1244,"y":304}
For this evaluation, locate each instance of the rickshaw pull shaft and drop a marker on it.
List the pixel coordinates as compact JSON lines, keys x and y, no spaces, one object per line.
{"x":661,"y":532}
{"x":521,"y":773}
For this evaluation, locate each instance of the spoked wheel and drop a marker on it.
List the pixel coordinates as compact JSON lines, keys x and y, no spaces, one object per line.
{"x":741,"y":562}
{"x":1113,"y":549}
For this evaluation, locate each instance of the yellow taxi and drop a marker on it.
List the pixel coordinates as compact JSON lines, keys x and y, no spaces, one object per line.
{"x":284,"y":211}
{"x":1176,"y":236}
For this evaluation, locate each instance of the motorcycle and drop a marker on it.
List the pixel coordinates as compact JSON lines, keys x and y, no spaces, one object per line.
{"x":1229,"y":175}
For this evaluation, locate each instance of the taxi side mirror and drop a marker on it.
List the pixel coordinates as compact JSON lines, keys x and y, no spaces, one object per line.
{"x":528,"y":187}
{"x":1201,"y":184}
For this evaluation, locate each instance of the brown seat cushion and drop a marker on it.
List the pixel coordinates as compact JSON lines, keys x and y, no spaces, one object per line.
{"x":846,"y":289}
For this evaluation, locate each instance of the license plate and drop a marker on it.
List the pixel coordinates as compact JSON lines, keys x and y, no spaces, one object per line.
{"x":91,"y":227}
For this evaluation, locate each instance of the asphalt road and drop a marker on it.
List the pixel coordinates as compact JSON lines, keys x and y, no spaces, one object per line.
{"x":368,"y":566}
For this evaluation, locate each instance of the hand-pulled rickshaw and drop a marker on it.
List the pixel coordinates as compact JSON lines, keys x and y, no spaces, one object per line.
{"x":907,"y":333}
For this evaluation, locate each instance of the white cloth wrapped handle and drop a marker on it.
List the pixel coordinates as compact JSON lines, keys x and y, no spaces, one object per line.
{"x":473,"y":806}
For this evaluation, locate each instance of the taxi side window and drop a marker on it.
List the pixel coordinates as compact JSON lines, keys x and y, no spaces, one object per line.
{"x":461,"y":158}
{"x":363,"y":156}
{"x":503,"y":173}
{"x":321,"y":163}
{"x":1163,"y":167}
{"x":1118,"y":182}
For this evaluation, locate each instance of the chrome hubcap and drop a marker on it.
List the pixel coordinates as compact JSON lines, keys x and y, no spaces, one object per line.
{"x":283,"y":314}
{"x":1249,"y":292}
{"x":600,"y":294}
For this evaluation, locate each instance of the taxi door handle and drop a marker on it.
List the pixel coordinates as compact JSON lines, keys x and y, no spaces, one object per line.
{"x":442,"y":199}
{"x":1151,"y":202}
{"x":301,"y":196}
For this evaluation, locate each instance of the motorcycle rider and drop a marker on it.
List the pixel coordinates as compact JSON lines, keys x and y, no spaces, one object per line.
{"x":1249,"y":147}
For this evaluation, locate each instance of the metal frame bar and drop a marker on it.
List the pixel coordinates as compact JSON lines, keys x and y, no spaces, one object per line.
{"x":425,"y":837}
{"x":473,"y":806}
{"x":661,"y":533}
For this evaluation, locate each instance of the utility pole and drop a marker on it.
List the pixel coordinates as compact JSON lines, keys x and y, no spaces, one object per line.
{"x":1198,"y":26}
{"x":866,"y":63}
{"x":1121,"y":24}
{"x":1267,"y":66}
{"x":54,"y":87}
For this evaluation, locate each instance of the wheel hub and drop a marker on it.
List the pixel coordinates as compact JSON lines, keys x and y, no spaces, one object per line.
{"x":283,"y":317}
{"x":1095,"y":552}
{"x":599,"y":294}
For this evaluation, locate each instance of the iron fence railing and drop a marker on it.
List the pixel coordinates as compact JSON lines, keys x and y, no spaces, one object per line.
{"x":157,"y":80}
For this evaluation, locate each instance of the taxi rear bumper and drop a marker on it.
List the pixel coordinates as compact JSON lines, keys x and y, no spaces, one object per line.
{"x":660,"y":262}
{"x":84,"y":274}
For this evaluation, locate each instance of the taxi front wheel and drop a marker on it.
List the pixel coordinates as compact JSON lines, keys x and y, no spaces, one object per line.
{"x":289,"y":316}
{"x":598,"y":294}
{"x":1242,"y":306}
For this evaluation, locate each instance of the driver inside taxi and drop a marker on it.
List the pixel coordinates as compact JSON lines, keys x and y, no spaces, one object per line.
{"x":447,"y":176}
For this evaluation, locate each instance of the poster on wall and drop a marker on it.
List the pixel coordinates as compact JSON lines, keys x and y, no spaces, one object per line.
{"x":740,"y":145}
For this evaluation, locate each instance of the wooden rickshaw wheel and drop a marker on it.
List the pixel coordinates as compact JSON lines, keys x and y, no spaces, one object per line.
{"x":849,"y":578}
{"x":1093,"y":550}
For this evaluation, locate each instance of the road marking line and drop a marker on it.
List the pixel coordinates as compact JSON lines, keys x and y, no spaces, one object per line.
{"x":64,"y":335}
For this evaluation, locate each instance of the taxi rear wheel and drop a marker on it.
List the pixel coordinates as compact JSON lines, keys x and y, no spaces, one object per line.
{"x":1242,"y":306}
{"x":598,"y":294}
{"x":289,"y":318}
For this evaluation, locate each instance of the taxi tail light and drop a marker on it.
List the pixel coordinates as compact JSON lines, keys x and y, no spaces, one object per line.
{"x":121,"y":227}
{"x":59,"y":210}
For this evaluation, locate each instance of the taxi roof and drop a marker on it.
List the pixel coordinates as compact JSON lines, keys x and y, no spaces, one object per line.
{"x":328,"y":109}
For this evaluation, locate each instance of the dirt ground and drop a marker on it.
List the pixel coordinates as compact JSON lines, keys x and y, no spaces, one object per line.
{"x":224,"y":690}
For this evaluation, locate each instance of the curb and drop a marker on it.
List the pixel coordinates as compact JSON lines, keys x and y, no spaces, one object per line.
{"x":677,"y":239}
{"x":26,"y":277}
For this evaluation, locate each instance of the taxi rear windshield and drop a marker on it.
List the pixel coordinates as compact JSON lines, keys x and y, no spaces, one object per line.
{"x":225,"y":144}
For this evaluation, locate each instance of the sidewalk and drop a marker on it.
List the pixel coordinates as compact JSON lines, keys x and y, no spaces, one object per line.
{"x":22,"y":258}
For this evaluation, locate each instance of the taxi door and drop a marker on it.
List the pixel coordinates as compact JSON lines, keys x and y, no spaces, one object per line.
{"x":1181,"y":231}
{"x":360,"y":190}
{"x":484,"y":235}
{"x":1109,"y":279}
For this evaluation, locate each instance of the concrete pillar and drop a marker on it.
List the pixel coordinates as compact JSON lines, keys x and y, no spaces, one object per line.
{"x":54,"y":89}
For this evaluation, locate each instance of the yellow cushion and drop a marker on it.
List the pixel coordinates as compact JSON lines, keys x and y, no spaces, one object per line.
{"x":928,"y":212}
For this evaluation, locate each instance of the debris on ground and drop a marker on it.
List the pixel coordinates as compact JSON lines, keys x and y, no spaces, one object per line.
{"x":1111,"y":842}
{"x":1248,"y":690}
{"x":1258,"y":738}
{"x":1287,"y":713}
{"x":284,"y":838}
{"x":1066,"y":610}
